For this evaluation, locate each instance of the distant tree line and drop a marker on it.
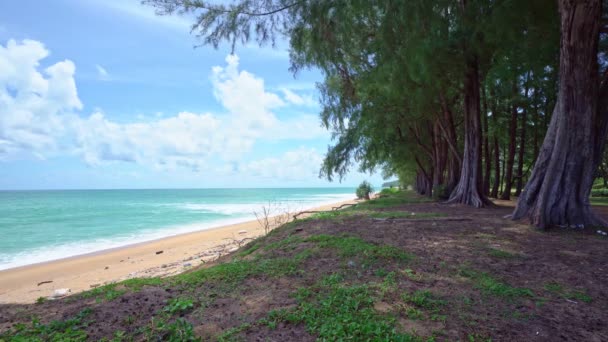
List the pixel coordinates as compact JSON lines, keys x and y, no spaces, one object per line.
{"x":466,"y":99}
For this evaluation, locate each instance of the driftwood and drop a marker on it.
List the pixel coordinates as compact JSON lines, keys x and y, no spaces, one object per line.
{"x":295,"y":217}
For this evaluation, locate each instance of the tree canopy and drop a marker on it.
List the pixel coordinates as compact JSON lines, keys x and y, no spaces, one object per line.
{"x":454,"y":97}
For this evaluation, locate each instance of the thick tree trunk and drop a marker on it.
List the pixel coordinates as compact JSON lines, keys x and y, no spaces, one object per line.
{"x":468,"y":191}
{"x":506,"y":194}
{"x":560,"y":184}
{"x":522,"y":145}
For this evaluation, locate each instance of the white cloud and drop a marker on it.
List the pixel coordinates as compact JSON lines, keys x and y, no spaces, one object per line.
{"x":31,"y":102}
{"x":39,"y":117}
{"x":298,"y":100}
{"x":302,"y":163}
{"x":102,"y":72}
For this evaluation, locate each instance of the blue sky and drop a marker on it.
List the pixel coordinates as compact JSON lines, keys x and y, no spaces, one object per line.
{"x":105,"y":94}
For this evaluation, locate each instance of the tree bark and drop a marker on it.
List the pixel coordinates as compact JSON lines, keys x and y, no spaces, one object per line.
{"x":454,"y":158}
{"x":506,"y":194}
{"x":522,"y":143}
{"x":486,"y":144}
{"x":536,"y":121}
{"x":559,"y":187}
{"x":468,"y":191}
{"x":496,"y":185}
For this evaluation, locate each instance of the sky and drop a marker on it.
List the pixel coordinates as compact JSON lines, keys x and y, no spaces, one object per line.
{"x":101,"y":94}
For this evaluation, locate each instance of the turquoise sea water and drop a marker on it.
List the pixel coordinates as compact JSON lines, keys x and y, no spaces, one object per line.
{"x":37,"y":226}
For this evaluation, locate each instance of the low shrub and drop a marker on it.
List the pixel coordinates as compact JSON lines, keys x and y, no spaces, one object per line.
{"x":364,"y":190}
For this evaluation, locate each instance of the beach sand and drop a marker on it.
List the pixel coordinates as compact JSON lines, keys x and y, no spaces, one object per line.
{"x":163,"y":257}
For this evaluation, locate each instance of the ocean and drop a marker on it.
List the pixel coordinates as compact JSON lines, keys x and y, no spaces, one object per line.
{"x":38,"y":226}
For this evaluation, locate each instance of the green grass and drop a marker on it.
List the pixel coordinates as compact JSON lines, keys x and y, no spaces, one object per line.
{"x":112,"y":291}
{"x":492,"y":286}
{"x":392,"y":200}
{"x":176,"y":331}
{"x":349,"y":246}
{"x":598,"y":200}
{"x":68,"y":330}
{"x":339,"y":312}
{"x":232,"y":273}
{"x":389,"y":191}
{"x":403,"y":214}
{"x":288,"y":243}
{"x":499,"y":253}
{"x":423,"y":299}
{"x":178,"y":305}
{"x":563,"y":292}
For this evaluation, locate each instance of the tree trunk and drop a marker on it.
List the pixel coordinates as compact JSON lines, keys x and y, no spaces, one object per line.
{"x":486,"y":144}
{"x":468,"y":191}
{"x":522,"y":144}
{"x":502,"y":180}
{"x":506,"y":194}
{"x":536,"y":125}
{"x":560,"y":184}
{"x":496,"y":185}
{"x":454,"y":159}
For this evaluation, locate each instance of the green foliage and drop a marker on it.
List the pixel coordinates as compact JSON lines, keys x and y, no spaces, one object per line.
{"x":392,"y":200}
{"x":599,"y":193}
{"x":493,"y":286}
{"x":364,"y":190}
{"x":391,"y":67}
{"x":68,"y":330}
{"x":389,"y":191}
{"x":598,"y":200}
{"x":176,"y":331}
{"x":178,"y":305}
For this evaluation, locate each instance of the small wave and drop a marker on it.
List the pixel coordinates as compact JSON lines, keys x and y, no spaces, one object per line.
{"x":223,"y":209}
{"x":239,"y":212}
{"x":66,"y":250}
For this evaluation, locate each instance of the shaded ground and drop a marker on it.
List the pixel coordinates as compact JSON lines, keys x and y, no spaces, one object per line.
{"x":391,"y":269}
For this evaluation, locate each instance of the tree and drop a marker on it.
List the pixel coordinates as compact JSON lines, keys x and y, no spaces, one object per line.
{"x":559,"y":187}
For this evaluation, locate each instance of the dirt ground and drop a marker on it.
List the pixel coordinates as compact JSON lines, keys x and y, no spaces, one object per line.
{"x":493,"y":279}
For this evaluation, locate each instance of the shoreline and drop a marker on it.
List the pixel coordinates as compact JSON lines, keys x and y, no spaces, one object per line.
{"x":155,"y":258}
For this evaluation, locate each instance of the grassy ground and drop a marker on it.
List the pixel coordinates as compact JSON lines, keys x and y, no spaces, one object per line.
{"x":397,"y":268}
{"x":599,"y":200}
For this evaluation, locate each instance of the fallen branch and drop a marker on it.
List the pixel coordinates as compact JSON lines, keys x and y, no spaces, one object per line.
{"x":295,"y":217}
{"x":423,"y":219}
{"x":343,"y":206}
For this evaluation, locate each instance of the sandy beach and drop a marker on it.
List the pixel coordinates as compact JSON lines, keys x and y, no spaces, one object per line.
{"x":163,"y":257}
